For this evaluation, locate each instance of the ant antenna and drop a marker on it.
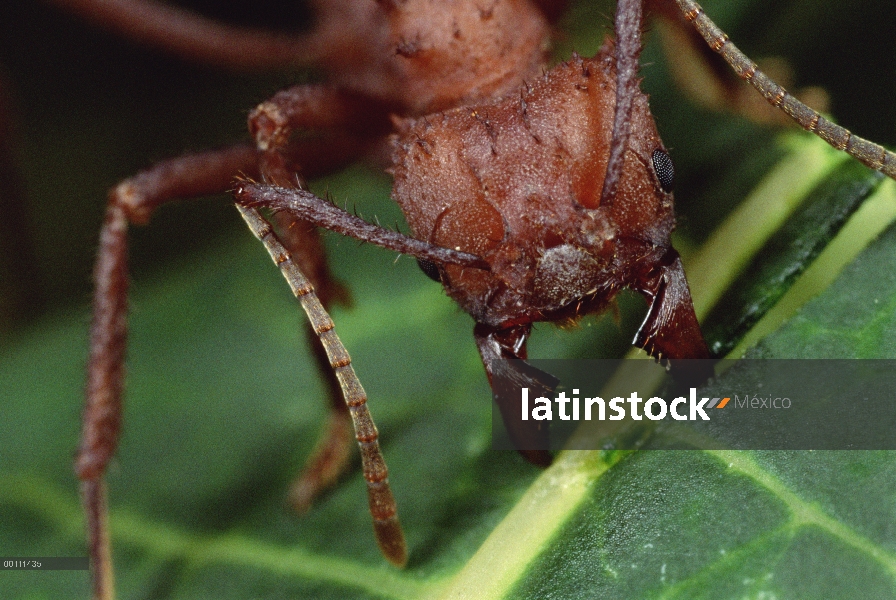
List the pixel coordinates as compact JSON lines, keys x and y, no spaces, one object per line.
{"x":387,"y":528}
{"x":868,"y":153}
{"x":628,"y":49}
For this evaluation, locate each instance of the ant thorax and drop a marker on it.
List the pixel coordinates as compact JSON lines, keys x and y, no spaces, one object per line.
{"x":518,"y":182}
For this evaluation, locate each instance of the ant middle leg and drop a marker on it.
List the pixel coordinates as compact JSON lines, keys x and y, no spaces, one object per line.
{"x":132,"y":201}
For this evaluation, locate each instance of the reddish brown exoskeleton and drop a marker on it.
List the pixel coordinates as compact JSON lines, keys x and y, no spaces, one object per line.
{"x":531,"y":196}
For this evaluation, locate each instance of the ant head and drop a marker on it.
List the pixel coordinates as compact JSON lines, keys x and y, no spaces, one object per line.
{"x":426,"y":55}
{"x":519,"y":183}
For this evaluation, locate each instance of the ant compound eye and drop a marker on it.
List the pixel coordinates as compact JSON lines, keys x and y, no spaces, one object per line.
{"x":665,"y":171}
{"x":430,"y":269}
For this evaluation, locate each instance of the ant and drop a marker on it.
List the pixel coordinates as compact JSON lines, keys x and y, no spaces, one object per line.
{"x":475,"y":247}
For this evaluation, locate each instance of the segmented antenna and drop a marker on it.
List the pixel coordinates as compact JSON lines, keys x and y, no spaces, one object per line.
{"x":628,"y":49}
{"x":868,"y":153}
{"x":389,"y":534}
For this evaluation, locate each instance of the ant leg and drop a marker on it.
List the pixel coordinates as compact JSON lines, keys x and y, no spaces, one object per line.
{"x":497,"y":347}
{"x":317,"y":107}
{"x":132,"y":201}
{"x":197,"y":38}
{"x":332,"y":452}
{"x":670,"y":330}
{"x":868,"y":153}
{"x":272,"y":124}
{"x":330,"y":456}
{"x":387,"y":528}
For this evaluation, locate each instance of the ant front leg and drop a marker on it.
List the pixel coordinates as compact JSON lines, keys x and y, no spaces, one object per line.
{"x":132,"y":201}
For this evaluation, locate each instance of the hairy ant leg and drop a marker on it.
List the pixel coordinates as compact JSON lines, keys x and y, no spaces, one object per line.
{"x":273,"y":124}
{"x":132,"y":201}
{"x":197,"y":38}
{"x":868,"y":153}
{"x":311,"y":209}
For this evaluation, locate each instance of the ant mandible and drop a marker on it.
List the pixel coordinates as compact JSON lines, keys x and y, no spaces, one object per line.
{"x":531,"y":196}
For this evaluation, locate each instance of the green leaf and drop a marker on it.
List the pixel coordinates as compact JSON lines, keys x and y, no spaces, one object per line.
{"x":693,"y":524}
{"x":221,"y":412}
{"x":732,"y":524}
{"x":788,"y":254}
